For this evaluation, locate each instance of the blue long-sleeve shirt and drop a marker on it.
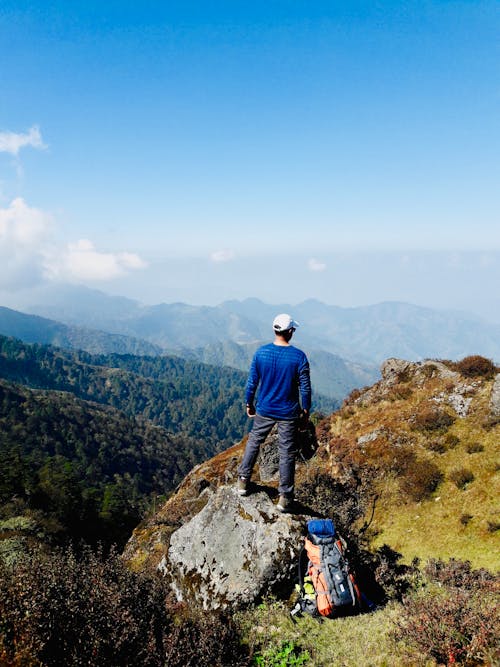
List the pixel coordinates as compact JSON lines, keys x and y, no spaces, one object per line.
{"x":281,"y":372}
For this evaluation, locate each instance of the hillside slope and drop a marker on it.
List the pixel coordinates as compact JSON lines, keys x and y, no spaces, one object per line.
{"x":76,"y":468}
{"x":182,"y":396}
{"x":390,"y":460}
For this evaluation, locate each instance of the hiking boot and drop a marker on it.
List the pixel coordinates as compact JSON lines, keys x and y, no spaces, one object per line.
{"x":284,"y":504}
{"x":242,"y":486}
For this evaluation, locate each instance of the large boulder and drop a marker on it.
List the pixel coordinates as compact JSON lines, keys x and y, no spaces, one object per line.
{"x":235,"y":550}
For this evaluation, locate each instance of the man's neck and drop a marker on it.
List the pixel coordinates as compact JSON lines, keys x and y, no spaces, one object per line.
{"x":279,"y":340}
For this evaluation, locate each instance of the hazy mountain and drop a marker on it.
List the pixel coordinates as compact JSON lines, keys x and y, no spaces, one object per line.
{"x":364,"y":334}
{"x":35,"y":329}
{"x":331,"y":375}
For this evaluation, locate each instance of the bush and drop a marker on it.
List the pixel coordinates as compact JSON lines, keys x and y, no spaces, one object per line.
{"x":437,"y":446}
{"x":452,"y":440}
{"x":459,"y":574}
{"x":64,"y":610}
{"x":203,"y":640}
{"x":421,"y":479}
{"x":474,"y":448}
{"x":431,"y":418}
{"x":461,"y":477}
{"x":61,"y":609}
{"x":476,"y":366}
{"x":452,"y":625}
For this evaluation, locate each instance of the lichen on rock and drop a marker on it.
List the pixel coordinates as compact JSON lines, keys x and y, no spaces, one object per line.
{"x":234,"y":551}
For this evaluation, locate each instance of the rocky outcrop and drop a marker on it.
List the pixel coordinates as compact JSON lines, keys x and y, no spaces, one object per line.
{"x":234,"y":551}
{"x":495,"y":399}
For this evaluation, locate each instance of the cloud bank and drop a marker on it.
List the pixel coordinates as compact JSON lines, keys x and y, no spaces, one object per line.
{"x":29,"y":254}
{"x":12,"y":142}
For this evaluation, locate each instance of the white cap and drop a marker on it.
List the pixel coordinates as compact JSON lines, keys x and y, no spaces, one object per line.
{"x":284,"y":322}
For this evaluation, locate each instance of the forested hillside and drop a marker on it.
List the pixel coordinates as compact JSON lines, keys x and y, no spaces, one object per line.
{"x":182,"y":396}
{"x":89,"y":470}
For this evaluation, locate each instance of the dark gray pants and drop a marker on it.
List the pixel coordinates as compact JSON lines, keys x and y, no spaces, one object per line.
{"x":287,"y":446}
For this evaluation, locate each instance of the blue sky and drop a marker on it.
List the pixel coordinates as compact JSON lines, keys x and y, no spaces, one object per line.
{"x":346,"y":151}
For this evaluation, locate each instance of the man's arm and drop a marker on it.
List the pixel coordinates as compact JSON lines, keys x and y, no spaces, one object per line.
{"x":251,"y":387}
{"x":305,"y":391}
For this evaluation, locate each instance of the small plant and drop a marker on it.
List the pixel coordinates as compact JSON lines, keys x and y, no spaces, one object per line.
{"x":421,"y":479}
{"x":437,"y":446}
{"x":474,"y":448}
{"x":493,"y":526}
{"x":285,"y":655}
{"x":461,"y":477}
{"x":465,"y":519}
{"x":451,"y":440}
{"x":459,"y":574}
{"x":476,"y":366}
{"x":431,"y":418}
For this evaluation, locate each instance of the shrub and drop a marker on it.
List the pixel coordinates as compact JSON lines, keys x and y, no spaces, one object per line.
{"x":465,"y":519}
{"x":60,"y":609}
{"x":461,"y":477}
{"x":452,"y":625}
{"x":459,"y":574}
{"x":474,"y":448}
{"x":64,"y":610}
{"x":431,"y":418}
{"x":476,"y":366}
{"x":203,"y":640}
{"x":452,"y":440}
{"x":438,"y":446}
{"x":421,"y":479}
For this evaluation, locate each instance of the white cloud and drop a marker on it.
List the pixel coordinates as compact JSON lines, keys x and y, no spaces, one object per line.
{"x":12,"y":142}
{"x":316,"y":265}
{"x":29,"y":254}
{"x":224,"y":255}
{"x":81,"y":262}
{"x":23,"y":234}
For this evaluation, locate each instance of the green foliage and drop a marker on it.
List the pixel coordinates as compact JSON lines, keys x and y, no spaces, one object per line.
{"x":89,"y":468}
{"x":182,"y":396}
{"x":286,"y":655}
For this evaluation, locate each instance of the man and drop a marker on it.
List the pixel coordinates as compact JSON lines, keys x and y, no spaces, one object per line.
{"x":281,"y":372}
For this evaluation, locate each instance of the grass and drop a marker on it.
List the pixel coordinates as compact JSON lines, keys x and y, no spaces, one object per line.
{"x":433,"y":528}
{"x":345,"y":642}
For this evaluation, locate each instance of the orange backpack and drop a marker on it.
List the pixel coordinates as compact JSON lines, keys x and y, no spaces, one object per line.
{"x":328,"y":569}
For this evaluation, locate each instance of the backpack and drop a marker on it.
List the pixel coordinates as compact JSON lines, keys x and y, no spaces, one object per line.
{"x":326,"y":586}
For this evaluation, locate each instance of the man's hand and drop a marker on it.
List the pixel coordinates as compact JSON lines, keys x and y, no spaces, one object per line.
{"x":304,"y":420}
{"x":251,"y":410}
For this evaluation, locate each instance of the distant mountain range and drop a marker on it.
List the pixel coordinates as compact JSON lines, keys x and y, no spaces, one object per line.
{"x":366,"y":335}
{"x":333,"y":377}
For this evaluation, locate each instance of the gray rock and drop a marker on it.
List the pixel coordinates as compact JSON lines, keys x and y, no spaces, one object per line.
{"x":495,"y":398}
{"x":392,"y":369}
{"x":233,"y":551}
